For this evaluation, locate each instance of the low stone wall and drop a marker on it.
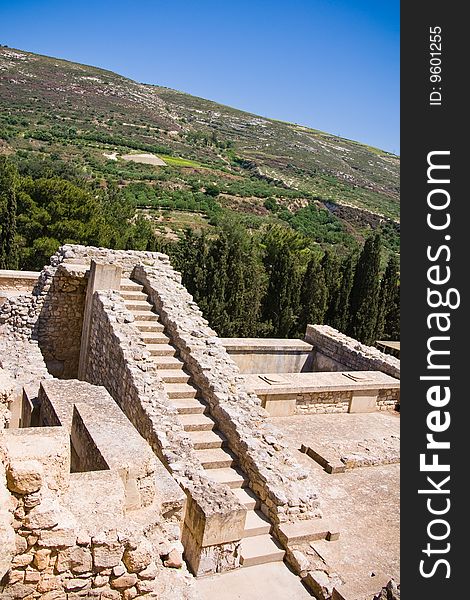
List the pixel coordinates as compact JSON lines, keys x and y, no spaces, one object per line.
{"x":23,"y":281}
{"x":257,"y":355}
{"x":284,"y":493}
{"x":388,"y":400}
{"x":323,"y":402}
{"x":338,"y":352}
{"x":118,"y":360}
{"x":21,"y":364}
{"x":73,"y":536}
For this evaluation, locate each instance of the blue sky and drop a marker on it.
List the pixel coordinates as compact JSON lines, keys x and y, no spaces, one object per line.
{"x":329,"y":64}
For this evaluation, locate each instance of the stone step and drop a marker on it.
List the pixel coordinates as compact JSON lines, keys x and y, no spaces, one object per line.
{"x":189,"y":406}
{"x":151,"y":326}
{"x":155,"y":337}
{"x":217,"y":458}
{"x":180,"y":390}
{"x":256,"y":524}
{"x":161,"y":349}
{"x":140,"y":305}
{"x":144,"y":315}
{"x":247,"y":497}
{"x":367,"y":587}
{"x":129,"y":296}
{"x":173,"y":375}
{"x":127,"y":285}
{"x":196,"y":422}
{"x":167,"y":362}
{"x":308,"y":530}
{"x":206,"y":440}
{"x":232,"y":477}
{"x":259,"y":550}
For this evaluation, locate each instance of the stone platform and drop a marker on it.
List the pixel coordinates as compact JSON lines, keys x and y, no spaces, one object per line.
{"x":363,"y":502}
{"x":286,"y":394}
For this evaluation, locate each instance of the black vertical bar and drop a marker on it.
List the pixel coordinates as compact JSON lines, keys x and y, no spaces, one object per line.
{"x":433,"y":119}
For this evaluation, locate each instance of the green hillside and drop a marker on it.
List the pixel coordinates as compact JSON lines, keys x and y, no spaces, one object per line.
{"x":217,"y":158}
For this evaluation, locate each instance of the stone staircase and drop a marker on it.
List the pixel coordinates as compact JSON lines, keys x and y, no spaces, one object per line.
{"x":257,"y":546}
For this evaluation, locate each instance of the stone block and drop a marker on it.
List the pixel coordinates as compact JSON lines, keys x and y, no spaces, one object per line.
{"x":211,"y":527}
{"x":279,"y":407}
{"x":139,"y":558}
{"x":363,"y":402}
{"x":107,"y":555}
{"x":24,"y":476}
{"x":49,"y":446}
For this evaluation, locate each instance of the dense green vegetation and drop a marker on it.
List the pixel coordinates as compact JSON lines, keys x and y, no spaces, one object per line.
{"x":259,"y":281}
{"x":274,"y":283}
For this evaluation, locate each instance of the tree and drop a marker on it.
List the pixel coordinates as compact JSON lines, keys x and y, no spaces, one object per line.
{"x":340,"y":317}
{"x":8,"y":210}
{"x":313,"y":295}
{"x":387,"y":297}
{"x":364,"y":293}
{"x":330,"y":265}
{"x":283,"y":267}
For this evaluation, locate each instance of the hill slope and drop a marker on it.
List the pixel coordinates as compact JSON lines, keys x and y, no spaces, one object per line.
{"x":250,"y":164}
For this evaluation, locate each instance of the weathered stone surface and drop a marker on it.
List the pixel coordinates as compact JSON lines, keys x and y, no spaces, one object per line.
{"x":24,"y":476}
{"x":80,"y":560}
{"x":348,"y":353}
{"x":174,"y":560}
{"x":149,"y":572}
{"x":54,"y":595}
{"x":41,"y":559}
{"x":49,"y":583}
{"x":390,"y":592}
{"x":108,"y":555}
{"x":22,"y":560}
{"x":72,"y":585}
{"x":138,"y":558}
{"x":44,"y":516}
{"x":18,"y":591}
{"x":124,"y":581}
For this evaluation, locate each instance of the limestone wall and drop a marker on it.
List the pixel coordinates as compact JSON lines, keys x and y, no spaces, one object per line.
{"x":284,"y":493}
{"x":323,"y":402}
{"x":17,"y":280}
{"x":336,"y":351}
{"x":257,"y":355}
{"x":70,"y":535}
{"x":21,"y":364}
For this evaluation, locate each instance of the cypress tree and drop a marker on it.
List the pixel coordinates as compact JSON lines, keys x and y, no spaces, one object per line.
{"x":387,"y":298}
{"x":281,"y":303}
{"x":330,"y":265}
{"x":340,"y":317}
{"x":365,"y":291}
{"x":392,"y":320}
{"x":8,"y":208}
{"x":313,"y":296}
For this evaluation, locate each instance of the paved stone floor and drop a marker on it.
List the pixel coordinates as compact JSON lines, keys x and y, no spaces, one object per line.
{"x":364,"y":502}
{"x":366,"y":438}
{"x":271,"y":581}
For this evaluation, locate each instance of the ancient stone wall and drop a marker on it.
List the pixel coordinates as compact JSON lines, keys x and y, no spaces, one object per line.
{"x":347,"y":353}
{"x":323,"y":402}
{"x":52,"y":313}
{"x":282,"y":488}
{"x":388,"y":400}
{"x":73,"y":534}
{"x":55,"y":559}
{"x":21,"y":364}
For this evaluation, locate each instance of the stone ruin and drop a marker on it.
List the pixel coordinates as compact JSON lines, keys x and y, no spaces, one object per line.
{"x":134,"y":453}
